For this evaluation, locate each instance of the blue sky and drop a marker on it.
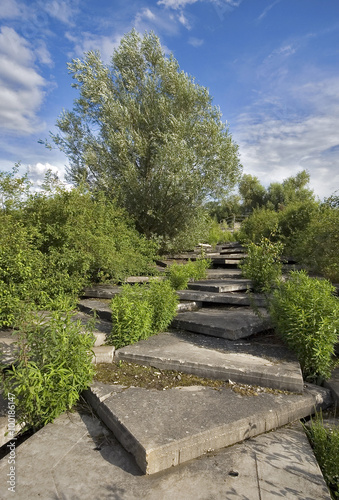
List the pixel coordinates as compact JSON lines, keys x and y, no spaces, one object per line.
{"x":272,"y":66}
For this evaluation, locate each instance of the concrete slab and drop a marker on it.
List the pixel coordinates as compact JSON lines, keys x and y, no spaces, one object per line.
{"x":101,"y":329}
{"x":220,"y":286}
{"x":103,"y":354}
{"x":263,"y":365}
{"x":222,"y":261}
{"x":232,"y":255}
{"x":101,"y":308}
{"x":333,"y":385}
{"x":77,"y":457}
{"x":231,"y":298}
{"x":223,"y":273}
{"x":101,"y":291}
{"x":230,"y":323}
{"x":189,"y":305}
{"x":166,"y":428}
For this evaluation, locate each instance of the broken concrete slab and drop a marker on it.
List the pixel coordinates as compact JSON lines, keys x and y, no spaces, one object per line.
{"x":232,"y":256}
{"x":224,"y":273}
{"x":189,"y":305}
{"x":259,"y":364}
{"x":101,"y":308}
{"x":101,"y":291}
{"x":190,"y":421}
{"x":220,"y":286}
{"x":103,"y":354}
{"x":78,"y":457}
{"x":225,"y":261}
{"x":231,"y":323}
{"x":231,"y":298}
{"x":100,"y":330}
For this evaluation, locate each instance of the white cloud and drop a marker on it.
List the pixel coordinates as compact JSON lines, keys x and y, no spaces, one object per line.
{"x":273,"y":148}
{"x":157,"y":20}
{"x":87,"y":41}
{"x":184,"y":21}
{"x":176,"y":4}
{"x":21,"y":86}
{"x":196,"y":42}
{"x":9,"y":9}
{"x":267,"y":9}
{"x":61,"y":10}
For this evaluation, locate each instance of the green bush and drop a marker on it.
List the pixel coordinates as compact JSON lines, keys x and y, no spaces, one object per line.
{"x":325,"y":443}
{"x":305,"y":313}
{"x":219,"y":233}
{"x":180,"y":274}
{"x":140,"y":311}
{"x":262,"y":223}
{"x":262,"y":264}
{"x":54,"y":366}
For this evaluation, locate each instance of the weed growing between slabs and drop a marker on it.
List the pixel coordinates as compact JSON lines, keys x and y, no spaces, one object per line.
{"x":324,"y":439}
{"x":149,"y":377}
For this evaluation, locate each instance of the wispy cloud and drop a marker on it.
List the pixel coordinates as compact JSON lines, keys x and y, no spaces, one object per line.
{"x":22,"y":88}
{"x":9,"y":9}
{"x":267,"y":9}
{"x":176,"y":4}
{"x":85,"y":42}
{"x":274,"y":146}
{"x":196,"y":42}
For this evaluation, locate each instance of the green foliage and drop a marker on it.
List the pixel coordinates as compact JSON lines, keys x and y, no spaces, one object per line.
{"x":325,"y":443}
{"x":316,"y":245}
{"x":54,"y":366}
{"x":180,"y":274}
{"x":253,"y":194}
{"x":262,"y":223}
{"x":218,"y":233}
{"x":145,"y":131}
{"x":13,"y":189}
{"x":306,"y":314}
{"x":140,"y":311}
{"x":263,"y":265}
{"x":55,"y":242}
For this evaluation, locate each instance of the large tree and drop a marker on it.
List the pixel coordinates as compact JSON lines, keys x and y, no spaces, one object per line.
{"x":148,"y":134}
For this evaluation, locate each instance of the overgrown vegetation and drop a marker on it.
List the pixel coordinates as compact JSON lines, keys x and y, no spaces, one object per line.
{"x":324,"y":440}
{"x":140,"y":311}
{"x":54,"y":364}
{"x":180,"y":274}
{"x":305,"y":313}
{"x":263,"y":265}
{"x":56,"y":241}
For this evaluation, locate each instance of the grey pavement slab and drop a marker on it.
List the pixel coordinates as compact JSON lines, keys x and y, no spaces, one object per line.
{"x":262,"y":365}
{"x":223,"y":273}
{"x":333,"y":385}
{"x":166,"y":428}
{"x":78,"y":457}
{"x":230,"y":255}
{"x":101,"y":291}
{"x":228,"y":323}
{"x":189,"y":305}
{"x":220,"y":285}
{"x":103,"y":354}
{"x":101,"y":327}
{"x":224,"y":260}
{"x":101,"y":308}
{"x":231,"y":298}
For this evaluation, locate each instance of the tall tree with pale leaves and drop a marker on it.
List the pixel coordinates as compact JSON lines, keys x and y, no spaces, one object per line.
{"x":148,"y":134}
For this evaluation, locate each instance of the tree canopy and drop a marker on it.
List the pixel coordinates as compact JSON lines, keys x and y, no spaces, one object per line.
{"x":148,"y":134}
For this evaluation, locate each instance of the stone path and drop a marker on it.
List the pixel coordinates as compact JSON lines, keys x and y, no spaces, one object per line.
{"x":178,"y":437}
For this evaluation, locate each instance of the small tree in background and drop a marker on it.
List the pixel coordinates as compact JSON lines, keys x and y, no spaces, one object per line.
{"x":146,"y":133}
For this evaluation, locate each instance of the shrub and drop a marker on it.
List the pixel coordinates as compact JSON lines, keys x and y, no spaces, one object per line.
{"x":54,"y":366}
{"x":263,"y":222}
{"x":180,"y":274}
{"x":306,"y":314}
{"x":218,"y":233}
{"x":140,"y":311}
{"x":262,"y":264}
{"x":325,"y":444}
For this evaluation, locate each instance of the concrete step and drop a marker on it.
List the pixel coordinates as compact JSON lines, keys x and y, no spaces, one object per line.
{"x":231,"y":298}
{"x":102,"y":309}
{"x":223,"y":273}
{"x":220,"y":286}
{"x":166,"y":428}
{"x":80,"y":458}
{"x":227,"y":323}
{"x":266,"y":365}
